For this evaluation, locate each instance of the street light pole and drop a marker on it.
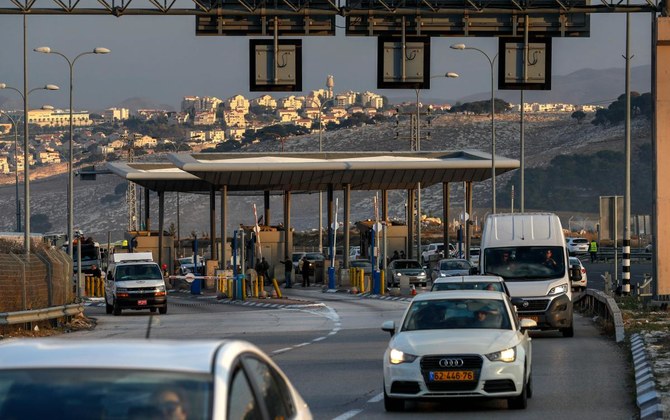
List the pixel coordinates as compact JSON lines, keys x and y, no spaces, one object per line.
{"x":321,"y":105}
{"x":493,"y":126}
{"x":16,"y":168}
{"x":70,"y":163}
{"x":26,"y":160}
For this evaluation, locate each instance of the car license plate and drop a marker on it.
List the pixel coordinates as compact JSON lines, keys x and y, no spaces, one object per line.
{"x":142,"y":302}
{"x":533,"y":317}
{"x":452,"y":375}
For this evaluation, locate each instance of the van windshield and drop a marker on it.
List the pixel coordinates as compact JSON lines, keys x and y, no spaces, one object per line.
{"x":525,"y":262}
{"x":138,"y":272}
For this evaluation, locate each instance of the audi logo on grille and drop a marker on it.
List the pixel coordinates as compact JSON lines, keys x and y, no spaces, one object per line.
{"x":445,"y":363}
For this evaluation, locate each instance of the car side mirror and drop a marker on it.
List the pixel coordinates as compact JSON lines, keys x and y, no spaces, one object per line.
{"x":474,"y":271}
{"x":575,"y":273}
{"x":389,"y":326}
{"x":110,"y":276}
{"x":526,"y":324}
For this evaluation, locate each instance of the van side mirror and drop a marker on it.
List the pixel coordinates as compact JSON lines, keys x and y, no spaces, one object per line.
{"x":575,"y":273}
{"x":110,"y":275}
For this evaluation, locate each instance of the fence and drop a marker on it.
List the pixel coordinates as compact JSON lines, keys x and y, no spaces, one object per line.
{"x":599,"y":303}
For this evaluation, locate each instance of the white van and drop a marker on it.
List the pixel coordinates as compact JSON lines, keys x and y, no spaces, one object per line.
{"x":528,"y":251}
{"x":134,"y":281}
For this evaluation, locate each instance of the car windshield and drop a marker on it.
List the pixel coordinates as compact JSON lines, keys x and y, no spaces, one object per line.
{"x":525,"y":262}
{"x":443,"y":314}
{"x":580,"y":241}
{"x":102,"y":393}
{"x":469,"y":285}
{"x":138,"y":272}
{"x":402,"y":265}
{"x":297,"y":257}
{"x":454,"y":265}
{"x":315,"y":257}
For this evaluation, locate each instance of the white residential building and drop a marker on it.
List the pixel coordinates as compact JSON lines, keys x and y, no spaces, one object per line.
{"x":104,"y":150}
{"x":115,"y":114}
{"x":304,"y":122}
{"x":196,"y":104}
{"x":290,"y":102}
{"x":345,"y":99}
{"x":234,"y":118}
{"x":371,"y":99}
{"x":287,"y":115}
{"x":216,"y":136}
{"x":146,"y":142}
{"x":197,"y":136}
{"x":265,"y":100}
{"x":48,"y":156}
{"x":58,"y":118}
{"x":238,"y":103}
{"x":178,"y":118}
{"x":4,"y":164}
{"x":235,"y":133}
{"x":204,"y":118}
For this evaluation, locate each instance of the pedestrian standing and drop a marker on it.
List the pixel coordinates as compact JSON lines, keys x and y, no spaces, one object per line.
{"x":593,"y":250}
{"x":265,"y":266}
{"x":288,"y":269}
{"x":305,"y":272}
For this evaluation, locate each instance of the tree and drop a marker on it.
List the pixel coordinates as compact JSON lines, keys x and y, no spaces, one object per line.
{"x":579,"y":116}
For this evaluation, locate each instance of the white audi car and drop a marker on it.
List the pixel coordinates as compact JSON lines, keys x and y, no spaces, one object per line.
{"x":143,"y":379}
{"x":458,"y":344}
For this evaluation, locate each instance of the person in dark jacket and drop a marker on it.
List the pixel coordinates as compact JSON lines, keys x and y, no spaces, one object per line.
{"x":288,"y":269}
{"x":305,"y":272}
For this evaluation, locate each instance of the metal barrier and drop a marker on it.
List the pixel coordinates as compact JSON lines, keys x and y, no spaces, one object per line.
{"x":597,"y":302}
{"x":8,"y":318}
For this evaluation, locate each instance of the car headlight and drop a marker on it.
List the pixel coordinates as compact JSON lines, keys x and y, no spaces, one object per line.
{"x":563,"y":288}
{"x":396,"y":357}
{"x":507,"y":355}
{"x":160,"y":288}
{"x":398,"y":274}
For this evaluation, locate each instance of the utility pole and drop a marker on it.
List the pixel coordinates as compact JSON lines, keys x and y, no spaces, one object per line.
{"x":131,"y":192}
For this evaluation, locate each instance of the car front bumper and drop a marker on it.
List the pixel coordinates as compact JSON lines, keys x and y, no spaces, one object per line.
{"x":492,"y":380}
{"x":141,"y":302}
{"x":549,"y":313}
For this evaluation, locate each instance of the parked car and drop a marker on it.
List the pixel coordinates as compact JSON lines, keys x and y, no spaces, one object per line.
{"x":577,"y":245}
{"x":474,"y":255}
{"x":452,"y":267}
{"x":411,"y":269}
{"x":579,"y":284}
{"x":364,"y":264}
{"x":314,"y":259}
{"x":434,"y":248}
{"x":126,"y":379}
{"x":458,"y":344}
{"x":494,"y":283}
{"x":186,"y":265}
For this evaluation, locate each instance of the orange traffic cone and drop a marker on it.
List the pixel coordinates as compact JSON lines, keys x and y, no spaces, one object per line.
{"x":413,"y":291}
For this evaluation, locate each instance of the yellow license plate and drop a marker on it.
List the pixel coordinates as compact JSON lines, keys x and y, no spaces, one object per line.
{"x":533,"y":317}
{"x":452,"y":375}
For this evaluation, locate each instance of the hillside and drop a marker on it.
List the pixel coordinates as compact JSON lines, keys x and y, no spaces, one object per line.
{"x":98,"y":209}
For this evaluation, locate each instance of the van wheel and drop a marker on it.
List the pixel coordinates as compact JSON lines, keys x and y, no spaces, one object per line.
{"x":568,"y":332}
{"x":116,"y":309}
{"x":108,"y":308}
{"x":162,"y":310}
{"x":152,"y":310}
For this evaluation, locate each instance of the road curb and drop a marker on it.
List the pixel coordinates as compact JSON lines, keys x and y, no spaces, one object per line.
{"x":648,"y":399}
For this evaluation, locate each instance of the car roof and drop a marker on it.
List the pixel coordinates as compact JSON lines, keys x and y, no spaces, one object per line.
{"x":469,"y":279}
{"x":169,"y":355}
{"x":454,"y":260}
{"x":459,"y":294}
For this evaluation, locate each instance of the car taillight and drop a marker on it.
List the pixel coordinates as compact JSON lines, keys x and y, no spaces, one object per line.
{"x":583,"y":270}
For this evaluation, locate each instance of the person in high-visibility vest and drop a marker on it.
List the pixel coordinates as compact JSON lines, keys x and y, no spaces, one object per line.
{"x":593,"y":250}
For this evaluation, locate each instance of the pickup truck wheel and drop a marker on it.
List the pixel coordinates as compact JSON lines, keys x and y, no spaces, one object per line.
{"x":162,"y":310}
{"x":116,"y":309}
{"x":568,"y":332}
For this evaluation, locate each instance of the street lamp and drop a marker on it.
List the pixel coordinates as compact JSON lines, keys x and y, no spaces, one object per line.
{"x":26,"y":160}
{"x":320,"y":194}
{"x":449,"y":75}
{"x":16,"y":167}
{"x":70,"y":178}
{"x":493,"y":127}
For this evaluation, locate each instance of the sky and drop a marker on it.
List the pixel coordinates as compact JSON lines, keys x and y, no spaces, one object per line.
{"x":160,"y":58}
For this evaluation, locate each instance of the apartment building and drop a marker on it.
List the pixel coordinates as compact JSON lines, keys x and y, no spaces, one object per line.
{"x":290,"y":103}
{"x":48,"y":156}
{"x":234,"y":118}
{"x":265,"y":100}
{"x":204,"y":118}
{"x":4,"y":165}
{"x":58,"y":118}
{"x":111,"y":115}
{"x":287,"y":115}
{"x":238,"y":103}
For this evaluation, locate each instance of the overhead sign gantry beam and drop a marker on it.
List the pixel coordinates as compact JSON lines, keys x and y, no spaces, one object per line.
{"x":323,"y":7}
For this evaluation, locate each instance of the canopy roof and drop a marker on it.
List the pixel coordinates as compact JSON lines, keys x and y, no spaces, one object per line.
{"x":310,"y":171}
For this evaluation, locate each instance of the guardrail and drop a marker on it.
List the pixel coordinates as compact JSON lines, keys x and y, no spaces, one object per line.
{"x":635,"y":255}
{"x":605,"y":307}
{"x":20,"y":317}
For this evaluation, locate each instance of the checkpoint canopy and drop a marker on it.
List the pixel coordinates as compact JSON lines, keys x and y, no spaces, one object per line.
{"x":311,"y":171}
